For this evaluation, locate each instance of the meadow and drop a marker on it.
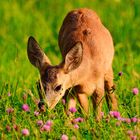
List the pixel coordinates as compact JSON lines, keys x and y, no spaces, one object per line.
{"x":19,"y":117}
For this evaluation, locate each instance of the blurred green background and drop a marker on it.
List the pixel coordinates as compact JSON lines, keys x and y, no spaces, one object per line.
{"x":42,"y":19}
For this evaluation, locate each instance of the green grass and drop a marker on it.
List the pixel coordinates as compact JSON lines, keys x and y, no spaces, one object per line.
{"x":42,"y":19}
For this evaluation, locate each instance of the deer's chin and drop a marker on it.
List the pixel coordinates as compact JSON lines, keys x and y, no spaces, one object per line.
{"x":53,"y":103}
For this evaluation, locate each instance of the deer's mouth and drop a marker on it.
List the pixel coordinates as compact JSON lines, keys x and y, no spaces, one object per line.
{"x":52,"y":103}
{"x":51,"y":99}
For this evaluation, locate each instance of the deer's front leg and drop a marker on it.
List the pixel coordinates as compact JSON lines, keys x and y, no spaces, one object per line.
{"x":83,"y":99}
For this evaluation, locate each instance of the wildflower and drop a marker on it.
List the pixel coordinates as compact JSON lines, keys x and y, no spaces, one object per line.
{"x":36,"y":113}
{"x":111,"y":113}
{"x":15,"y":127}
{"x":135,"y":91}
{"x":8,"y":128}
{"x":76,"y":126}
{"x":9,"y":110}
{"x":115,"y":114}
{"x":72,"y":109}
{"x":102,"y":114}
{"x":39,"y":122}
{"x":9,"y":94}
{"x":121,"y":119}
{"x":130,"y":133}
{"x":63,"y":101}
{"x":25,"y":132}
{"x":46,"y":128}
{"x":64,"y":137}
{"x":133,"y":137}
{"x":127,"y":120}
{"x":79,"y":119}
{"x":134,"y":119}
{"x":120,"y":73}
{"x":49,"y":122}
{"x":25,"y":107}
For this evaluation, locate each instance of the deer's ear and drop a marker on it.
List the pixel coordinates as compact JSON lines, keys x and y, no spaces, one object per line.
{"x":36,"y":56}
{"x":73,"y":58}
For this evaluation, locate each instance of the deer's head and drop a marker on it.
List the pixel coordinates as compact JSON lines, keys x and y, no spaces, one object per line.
{"x":55,"y":79}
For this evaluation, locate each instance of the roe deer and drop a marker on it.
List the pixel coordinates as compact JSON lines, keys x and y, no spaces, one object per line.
{"x":87,"y":50}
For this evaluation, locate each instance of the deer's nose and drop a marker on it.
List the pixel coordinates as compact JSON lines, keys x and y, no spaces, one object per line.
{"x":41,"y":106}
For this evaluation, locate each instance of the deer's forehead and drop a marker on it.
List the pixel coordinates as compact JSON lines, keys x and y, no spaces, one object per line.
{"x":50,"y":75}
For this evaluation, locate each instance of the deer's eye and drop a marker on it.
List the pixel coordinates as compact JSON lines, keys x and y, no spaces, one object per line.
{"x":57,"y":88}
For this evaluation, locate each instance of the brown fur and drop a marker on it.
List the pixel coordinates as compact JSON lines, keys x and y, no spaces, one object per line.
{"x":50,"y":74}
{"x":87,"y":50}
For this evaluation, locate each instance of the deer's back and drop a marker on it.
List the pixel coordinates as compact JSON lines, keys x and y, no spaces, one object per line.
{"x":85,"y":26}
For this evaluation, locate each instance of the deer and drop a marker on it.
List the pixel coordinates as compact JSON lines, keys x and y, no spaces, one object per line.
{"x":87,"y":52}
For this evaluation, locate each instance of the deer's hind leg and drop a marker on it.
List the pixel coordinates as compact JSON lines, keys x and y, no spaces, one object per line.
{"x":109,"y":87}
{"x":97,"y":98}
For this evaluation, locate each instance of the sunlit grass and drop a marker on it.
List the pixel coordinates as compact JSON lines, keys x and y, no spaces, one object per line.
{"x":42,"y":19}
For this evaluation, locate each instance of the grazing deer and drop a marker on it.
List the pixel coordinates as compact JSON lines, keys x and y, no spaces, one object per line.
{"x":87,"y":50}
